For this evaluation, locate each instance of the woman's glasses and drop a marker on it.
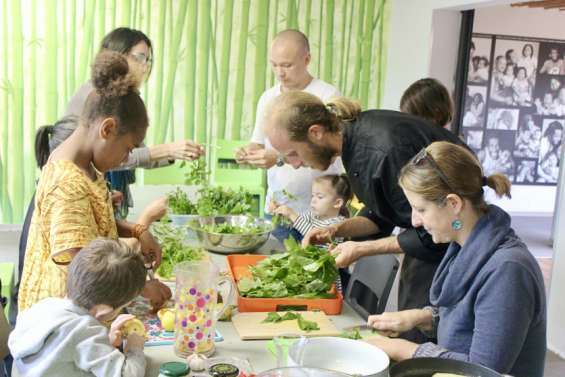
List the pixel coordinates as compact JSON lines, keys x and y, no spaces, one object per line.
{"x":423,"y":155}
{"x":142,"y":58}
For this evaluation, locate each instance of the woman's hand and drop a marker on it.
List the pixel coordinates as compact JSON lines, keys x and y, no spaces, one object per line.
{"x":320,"y":235}
{"x":394,"y":323}
{"x":153,"y":212}
{"x":396,"y":349}
{"x":185,"y":150}
{"x":115,"y":334}
{"x":157,"y":293}
{"x":150,"y":249}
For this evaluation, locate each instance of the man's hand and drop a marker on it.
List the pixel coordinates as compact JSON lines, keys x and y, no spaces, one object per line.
{"x":320,"y":235}
{"x":261,"y":158}
{"x":347,"y":252}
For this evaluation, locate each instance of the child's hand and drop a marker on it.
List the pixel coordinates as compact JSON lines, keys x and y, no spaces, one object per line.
{"x":134,"y":342}
{"x":154,"y":211}
{"x":272,"y":206}
{"x":285,"y":211}
{"x":115,"y":334}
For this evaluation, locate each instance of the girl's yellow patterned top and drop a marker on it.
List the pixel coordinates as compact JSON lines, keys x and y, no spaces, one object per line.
{"x":70,"y":211}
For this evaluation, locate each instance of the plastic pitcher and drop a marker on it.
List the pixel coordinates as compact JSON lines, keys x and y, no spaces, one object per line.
{"x":196,"y":297}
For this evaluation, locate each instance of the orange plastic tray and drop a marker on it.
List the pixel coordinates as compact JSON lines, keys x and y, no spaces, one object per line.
{"x":239,"y":268}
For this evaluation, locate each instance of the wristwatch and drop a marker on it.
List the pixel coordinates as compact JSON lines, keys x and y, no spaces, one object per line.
{"x":280,"y":160}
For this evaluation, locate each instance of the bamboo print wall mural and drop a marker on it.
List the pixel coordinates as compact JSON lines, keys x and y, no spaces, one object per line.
{"x":210,"y":65}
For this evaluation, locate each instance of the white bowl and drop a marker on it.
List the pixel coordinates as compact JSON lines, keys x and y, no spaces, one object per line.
{"x":349,"y":356}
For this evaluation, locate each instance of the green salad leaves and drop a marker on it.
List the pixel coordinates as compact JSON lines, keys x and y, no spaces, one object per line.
{"x":226,"y":228}
{"x":303,"y":324}
{"x":211,"y":201}
{"x":300,"y":273}
{"x":174,"y":251}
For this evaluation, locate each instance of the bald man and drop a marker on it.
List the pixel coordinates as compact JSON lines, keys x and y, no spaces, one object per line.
{"x":289,"y":57}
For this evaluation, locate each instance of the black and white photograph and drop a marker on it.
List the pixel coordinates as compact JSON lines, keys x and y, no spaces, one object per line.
{"x":550,"y":59}
{"x":528,"y":137}
{"x":550,"y":151}
{"x":503,"y":119}
{"x":514,"y":72}
{"x":496,"y":155}
{"x":475,"y":105}
{"x":479,"y":60}
{"x":474,"y":138}
{"x":525,"y":171}
{"x":549,"y":96}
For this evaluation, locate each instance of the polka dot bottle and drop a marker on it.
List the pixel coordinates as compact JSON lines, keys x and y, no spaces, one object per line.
{"x":196,"y":296}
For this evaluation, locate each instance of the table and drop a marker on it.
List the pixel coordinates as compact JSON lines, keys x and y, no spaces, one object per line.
{"x":232,"y":346}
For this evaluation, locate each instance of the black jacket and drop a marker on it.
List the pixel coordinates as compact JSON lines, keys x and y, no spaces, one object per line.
{"x":375,"y":147}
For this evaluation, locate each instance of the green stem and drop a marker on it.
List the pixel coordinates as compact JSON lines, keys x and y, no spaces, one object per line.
{"x":358,"y":53}
{"x":240,"y":73}
{"x":262,"y":17}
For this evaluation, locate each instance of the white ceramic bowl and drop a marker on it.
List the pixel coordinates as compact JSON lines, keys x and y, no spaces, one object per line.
{"x":349,"y":356}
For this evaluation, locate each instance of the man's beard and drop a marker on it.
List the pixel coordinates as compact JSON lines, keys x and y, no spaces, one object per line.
{"x":322,"y":155}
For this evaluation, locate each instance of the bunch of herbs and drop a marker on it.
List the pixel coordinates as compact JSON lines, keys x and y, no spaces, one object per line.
{"x":174,"y":250}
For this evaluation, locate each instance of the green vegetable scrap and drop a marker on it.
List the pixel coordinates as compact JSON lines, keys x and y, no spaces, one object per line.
{"x":289,"y":196}
{"x":179,"y":204}
{"x":303,"y":324}
{"x":197,"y":173}
{"x":353,"y":334}
{"x":223,"y":201}
{"x":173,"y":250}
{"x":300,"y":272}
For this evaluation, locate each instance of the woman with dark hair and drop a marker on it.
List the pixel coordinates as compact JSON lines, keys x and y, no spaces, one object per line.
{"x":428,"y":99}
{"x":137,"y":48}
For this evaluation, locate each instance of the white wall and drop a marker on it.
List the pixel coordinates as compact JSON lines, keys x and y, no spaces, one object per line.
{"x":428,"y":47}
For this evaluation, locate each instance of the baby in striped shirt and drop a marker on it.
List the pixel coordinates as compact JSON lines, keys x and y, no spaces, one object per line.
{"x":330,"y":196}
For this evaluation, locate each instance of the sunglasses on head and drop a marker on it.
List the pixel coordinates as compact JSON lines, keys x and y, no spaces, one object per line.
{"x":422,"y":157}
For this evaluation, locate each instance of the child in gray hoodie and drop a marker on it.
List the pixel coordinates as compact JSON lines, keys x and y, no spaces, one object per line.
{"x":67,"y":337}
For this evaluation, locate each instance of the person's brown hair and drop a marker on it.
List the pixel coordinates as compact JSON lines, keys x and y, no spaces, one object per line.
{"x":340,"y":183}
{"x":105,"y":272}
{"x":447,"y":168}
{"x":429,"y":99}
{"x":116,"y":93}
{"x":296,"y":111}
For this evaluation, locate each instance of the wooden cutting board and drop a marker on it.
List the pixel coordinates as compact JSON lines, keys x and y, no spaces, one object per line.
{"x":250,"y":327}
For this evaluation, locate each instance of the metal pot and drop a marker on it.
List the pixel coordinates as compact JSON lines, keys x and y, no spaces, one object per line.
{"x":427,"y":366}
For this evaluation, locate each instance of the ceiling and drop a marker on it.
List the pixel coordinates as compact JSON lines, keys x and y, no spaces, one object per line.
{"x":545,"y":4}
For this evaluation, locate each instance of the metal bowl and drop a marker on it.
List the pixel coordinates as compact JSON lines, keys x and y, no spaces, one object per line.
{"x":230,"y":243}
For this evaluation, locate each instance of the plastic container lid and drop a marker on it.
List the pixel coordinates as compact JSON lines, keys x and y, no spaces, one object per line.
{"x":223,"y":370}
{"x":174,"y":369}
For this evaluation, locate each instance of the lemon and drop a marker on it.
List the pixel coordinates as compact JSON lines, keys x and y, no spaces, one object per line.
{"x":167,"y":318}
{"x":133,"y":326}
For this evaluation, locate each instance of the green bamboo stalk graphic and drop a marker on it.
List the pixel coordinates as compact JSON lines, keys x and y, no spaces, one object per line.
{"x":86,"y":45}
{"x":113,"y":13}
{"x":343,"y":43}
{"x":133,"y":21}
{"x":71,"y":72}
{"x":170,"y":79}
{"x":291,"y":15}
{"x":7,"y":213}
{"x":202,"y":70}
{"x":126,"y":12}
{"x":262,"y":19}
{"x":147,"y":30}
{"x":381,"y":52}
{"x":308,"y":18}
{"x":329,"y":43}
{"x":367,"y":53}
{"x":345,"y":67}
{"x":224,"y":67}
{"x":15,"y":148}
{"x":50,"y":61}
{"x":358,"y":52}
{"x":320,"y":34}
{"x":189,"y":102}
{"x":101,"y":18}
{"x":159,"y":67}
{"x":275,"y":27}
{"x":29,"y":169}
{"x":240,"y":74}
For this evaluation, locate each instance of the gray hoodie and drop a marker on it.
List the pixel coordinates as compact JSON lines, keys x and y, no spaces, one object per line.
{"x":57,"y":338}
